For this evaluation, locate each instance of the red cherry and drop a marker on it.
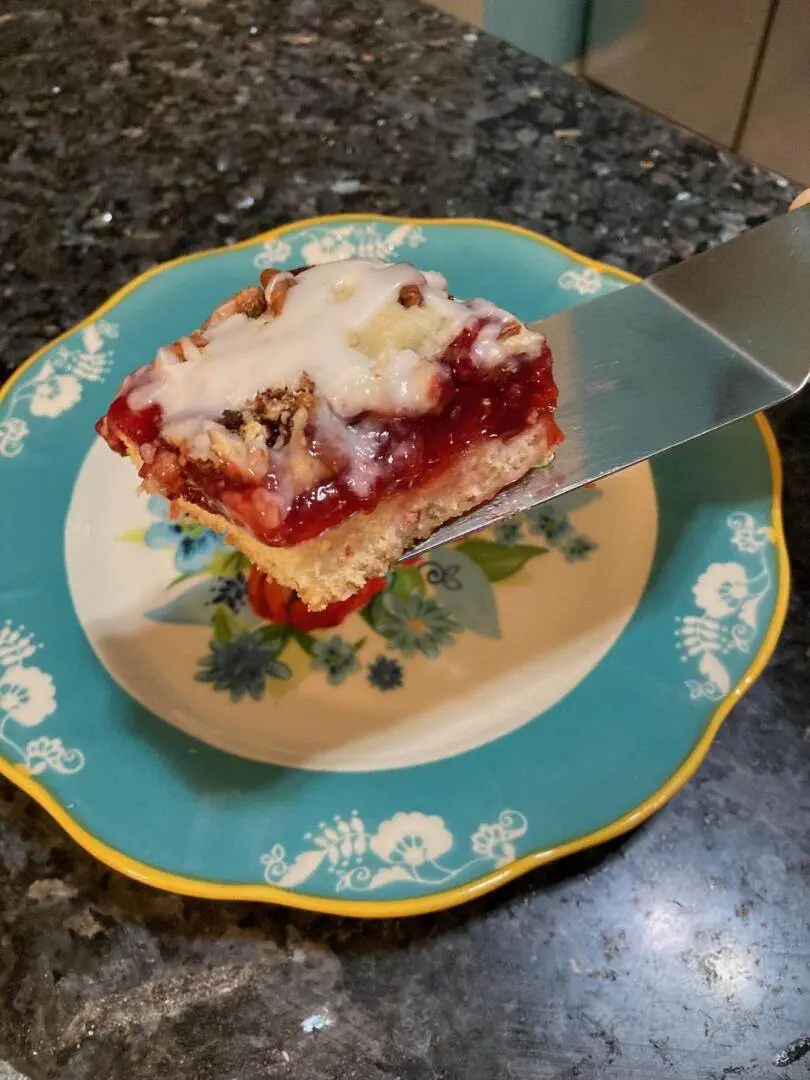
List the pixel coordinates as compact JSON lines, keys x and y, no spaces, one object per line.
{"x":268,"y":599}
{"x":141,"y":427}
{"x":302,"y":618}
{"x":277,"y":604}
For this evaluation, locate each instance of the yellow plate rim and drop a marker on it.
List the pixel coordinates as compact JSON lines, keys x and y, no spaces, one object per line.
{"x":374,"y":909}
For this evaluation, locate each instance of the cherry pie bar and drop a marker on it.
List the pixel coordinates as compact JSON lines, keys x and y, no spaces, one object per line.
{"x":330,"y":416}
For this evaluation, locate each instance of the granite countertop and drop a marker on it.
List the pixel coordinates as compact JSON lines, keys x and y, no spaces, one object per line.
{"x":135,"y":132}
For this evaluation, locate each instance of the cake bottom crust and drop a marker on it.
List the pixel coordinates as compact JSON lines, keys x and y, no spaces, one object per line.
{"x":334,"y":565}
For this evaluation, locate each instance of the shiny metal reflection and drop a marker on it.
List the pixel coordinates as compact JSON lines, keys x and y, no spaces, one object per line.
{"x":716,"y":338}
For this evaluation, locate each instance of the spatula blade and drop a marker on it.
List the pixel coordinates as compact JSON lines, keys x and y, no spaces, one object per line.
{"x":716,"y":338}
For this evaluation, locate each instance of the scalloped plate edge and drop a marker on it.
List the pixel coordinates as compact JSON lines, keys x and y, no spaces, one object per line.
{"x":211,"y":890}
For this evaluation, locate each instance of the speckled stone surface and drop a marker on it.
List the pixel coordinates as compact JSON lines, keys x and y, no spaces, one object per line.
{"x":135,"y":132}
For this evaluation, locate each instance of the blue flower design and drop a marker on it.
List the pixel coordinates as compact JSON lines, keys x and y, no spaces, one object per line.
{"x":194,"y":545}
{"x":418,"y":624}
{"x":545,"y":524}
{"x":578,"y":548}
{"x":508,"y":532}
{"x":385,"y":673}
{"x":242,"y":666}
{"x":230,"y":591}
{"x":336,"y":657}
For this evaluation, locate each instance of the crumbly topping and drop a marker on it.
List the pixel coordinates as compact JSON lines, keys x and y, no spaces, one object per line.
{"x":268,"y":417}
{"x":273,"y":382}
{"x":368,"y":334}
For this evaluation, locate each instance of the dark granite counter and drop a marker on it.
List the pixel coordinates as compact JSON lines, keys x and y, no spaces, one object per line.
{"x":135,"y":132}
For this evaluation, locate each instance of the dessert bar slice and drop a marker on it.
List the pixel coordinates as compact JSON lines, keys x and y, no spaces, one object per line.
{"x":330,"y":416}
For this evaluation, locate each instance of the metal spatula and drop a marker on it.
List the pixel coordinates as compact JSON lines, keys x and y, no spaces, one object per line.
{"x":716,"y":338}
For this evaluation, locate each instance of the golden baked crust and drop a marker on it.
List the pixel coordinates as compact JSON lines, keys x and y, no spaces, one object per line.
{"x":337,"y":563}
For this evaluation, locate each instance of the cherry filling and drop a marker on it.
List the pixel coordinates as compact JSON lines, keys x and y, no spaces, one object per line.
{"x":409,"y":451}
{"x":139,"y":427}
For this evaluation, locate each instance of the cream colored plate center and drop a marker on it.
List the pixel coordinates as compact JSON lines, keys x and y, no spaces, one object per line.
{"x":558,"y":620}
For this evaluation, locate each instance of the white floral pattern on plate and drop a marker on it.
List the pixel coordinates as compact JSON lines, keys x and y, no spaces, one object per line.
{"x":57,"y":385}
{"x":586,"y":281}
{"x":276,"y":815}
{"x":728,"y":596}
{"x":406,"y":847}
{"x":367,"y":240}
{"x":27,"y":699}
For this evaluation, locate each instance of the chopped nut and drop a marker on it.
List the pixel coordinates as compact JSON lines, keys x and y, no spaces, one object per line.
{"x":220,"y":314}
{"x":249,"y":301}
{"x":231,"y":420}
{"x":276,"y":289}
{"x":180,"y":347}
{"x":411,"y":296}
{"x":274,"y":410}
{"x":266,"y":276}
{"x":509,"y":329}
{"x":271,"y":414}
{"x":277,"y":430}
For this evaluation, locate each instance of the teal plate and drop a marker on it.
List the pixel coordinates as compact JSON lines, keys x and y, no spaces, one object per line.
{"x":532,"y":691}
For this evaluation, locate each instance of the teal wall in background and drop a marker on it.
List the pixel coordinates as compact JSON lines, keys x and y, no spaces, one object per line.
{"x":551,"y":29}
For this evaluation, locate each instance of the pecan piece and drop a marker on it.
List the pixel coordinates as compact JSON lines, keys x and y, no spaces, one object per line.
{"x":509,"y":329}
{"x":249,"y":301}
{"x":197,"y":338}
{"x":277,"y":283}
{"x":411,"y":296}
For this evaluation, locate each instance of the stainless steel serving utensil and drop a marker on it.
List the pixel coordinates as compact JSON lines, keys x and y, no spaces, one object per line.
{"x":711,"y":340}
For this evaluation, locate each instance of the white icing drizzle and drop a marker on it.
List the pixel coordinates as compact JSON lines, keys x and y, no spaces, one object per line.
{"x":486,"y":350}
{"x":317,"y":333}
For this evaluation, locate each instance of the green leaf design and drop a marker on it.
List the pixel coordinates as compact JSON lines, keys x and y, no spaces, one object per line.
{"x":465,"y":590}
{"x":281,"y":671}
{"x":191,"y":607}
{"x":376,"y":614}
{"x":179,"y":579}
{"x":403,"y":580}
{"x":275,"y":635}
{"x":223,"y":624}
{"x":134,"y":536}
{"x":218,"y":567}
{"x":296,"y":662}
{"x":497,"y":560}
{"x":229,"y":564}
{"x":305,"y":640}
